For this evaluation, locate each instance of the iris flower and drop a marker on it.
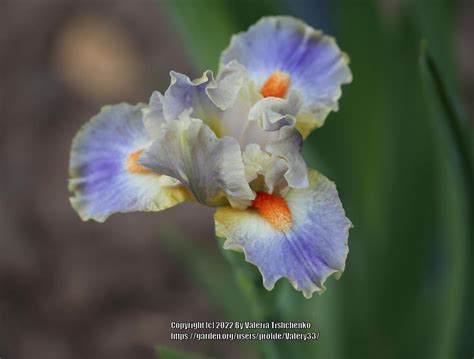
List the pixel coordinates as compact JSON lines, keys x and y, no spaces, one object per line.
{"x":233,"y":142}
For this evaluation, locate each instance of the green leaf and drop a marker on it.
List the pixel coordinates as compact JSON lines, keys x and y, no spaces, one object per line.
{"x":381,"y":151}
{"x":453,"y":128}
{"x":163,"y":352}
{"x":207,"y":269}
{"x":257,"y":298}
{"x":456,"y":159}
{"x":206,"y":26}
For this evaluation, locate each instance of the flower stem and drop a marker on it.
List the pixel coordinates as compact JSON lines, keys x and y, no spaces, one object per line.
{"x":260,"y":302}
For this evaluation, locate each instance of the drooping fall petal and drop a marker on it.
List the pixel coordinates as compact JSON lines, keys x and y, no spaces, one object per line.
{"x":301,"y":236}
{"x":105,"y":176}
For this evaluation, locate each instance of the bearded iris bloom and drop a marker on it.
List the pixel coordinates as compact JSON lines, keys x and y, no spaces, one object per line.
{"x":232,"y":142}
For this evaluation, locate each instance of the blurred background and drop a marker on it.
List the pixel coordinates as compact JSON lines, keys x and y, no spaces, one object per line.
{"x":85,"y":290}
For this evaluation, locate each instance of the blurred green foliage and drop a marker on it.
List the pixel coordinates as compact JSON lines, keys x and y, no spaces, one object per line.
{"x":168,"y":353}
{"x":391,"y":151}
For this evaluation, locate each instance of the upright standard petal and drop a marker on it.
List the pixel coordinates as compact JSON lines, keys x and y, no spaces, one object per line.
{"x":288,"y":146}
{"x":301,"y":236}
{"x":211,"y":168}
{"x":265,"y":172}
{"x":297,"y":57}
{"x":153,"y":115}
{"x":279,"y":171}
{"x":105,"y":176}
{"x":206,"y":96}
{"x":247,"y":118}
{"x":272,"y":113}
{"x":267,"y":125}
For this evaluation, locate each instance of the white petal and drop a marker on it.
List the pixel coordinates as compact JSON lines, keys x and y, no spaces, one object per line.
{"x":272,"y":113}
{"x":211,"y":168}
{"x":288,"y":147}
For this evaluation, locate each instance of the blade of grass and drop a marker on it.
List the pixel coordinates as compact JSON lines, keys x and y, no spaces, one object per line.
{"x":205,"y":28}
{"x":456,"y":133}
{"x":163,"y":352}
{"x":206,"y":269}
{"x":259,"y":300}
{"x":457,"y":152}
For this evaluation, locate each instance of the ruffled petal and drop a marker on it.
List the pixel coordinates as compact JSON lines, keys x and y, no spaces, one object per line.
{"x":256,"y":162}
{"x":183,"y":94}
{"x":268,"y":124}
{"x":206,"y":97}
{"x":235,"y":121}
{"x":225,"y":89}
{"x":302,"y":236}
{"x":153,"y":115}
{"x":288,"y":146}
{"x":272,"y":113}
{"x":105,"y":177}
{"x":243,"y":118}
{"x":273,"y":170}
{"x":211,"y":168}
{"x":297,"y":57}
{"x":256,"y":120}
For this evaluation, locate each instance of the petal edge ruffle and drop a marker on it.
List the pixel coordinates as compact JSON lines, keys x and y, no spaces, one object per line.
{"x":313,"y":61}
{"x":314,"y":248}
{"x":100,"y":179}
{"x":211,"y":167}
